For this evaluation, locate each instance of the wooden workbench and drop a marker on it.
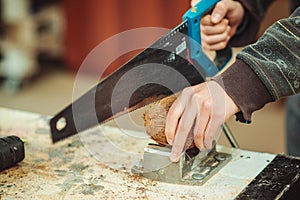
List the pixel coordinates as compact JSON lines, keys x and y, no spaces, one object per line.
{"x":90,"y":166}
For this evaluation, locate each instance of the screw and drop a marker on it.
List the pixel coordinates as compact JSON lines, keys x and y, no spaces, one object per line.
{"x":197,"y":176}
{"x":220,"y":157}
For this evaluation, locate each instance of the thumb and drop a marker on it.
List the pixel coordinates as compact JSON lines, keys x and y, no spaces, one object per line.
{"x":219,"y":12}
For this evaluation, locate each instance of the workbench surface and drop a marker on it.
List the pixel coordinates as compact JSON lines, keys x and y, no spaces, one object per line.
{"x":85,"y":167}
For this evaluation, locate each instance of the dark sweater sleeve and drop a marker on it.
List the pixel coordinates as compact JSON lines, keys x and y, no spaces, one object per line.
{"x":266,"y":70}
{"x":242,"y":84}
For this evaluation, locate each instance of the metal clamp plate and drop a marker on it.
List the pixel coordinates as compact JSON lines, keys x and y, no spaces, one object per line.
{"x":193,"y":168}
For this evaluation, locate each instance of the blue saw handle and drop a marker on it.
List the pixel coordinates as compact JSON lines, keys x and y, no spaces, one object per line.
{"x":193,"y":17}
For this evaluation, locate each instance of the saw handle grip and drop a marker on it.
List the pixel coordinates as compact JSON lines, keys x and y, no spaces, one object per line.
{"x":193,"y":17}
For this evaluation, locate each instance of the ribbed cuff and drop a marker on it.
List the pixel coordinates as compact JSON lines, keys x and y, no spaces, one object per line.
{"x":245,"y":88}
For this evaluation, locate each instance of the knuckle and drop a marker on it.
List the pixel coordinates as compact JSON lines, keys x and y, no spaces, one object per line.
{"x":187,"y":91}
{"x":206,"y":20}
{"x":225,"y":21}
{"x":203,"y":37}
{"x":207,"y":105}
{"x":204,"y":30}
{"x":209,"y":40}
{"x":223,"y":44}
{"x":196,"y":98}
{"x":222,"y":29}
{"x":206,"y":46}
{"x":228,"y":29}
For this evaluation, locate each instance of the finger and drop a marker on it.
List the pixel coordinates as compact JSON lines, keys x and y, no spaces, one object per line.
{"x":215,"y":47}
{"x":219,"y":12}
{"x":213,"y":39}
{"x":206,"y":20}
{"x":200,"y":126}
{"x":172,"y":119}
{"x":215,"y":29}
{"x":217,"y":114}
{"x":211,"y":132}
{"x":183,"y":130}
{"x":175,"y":113}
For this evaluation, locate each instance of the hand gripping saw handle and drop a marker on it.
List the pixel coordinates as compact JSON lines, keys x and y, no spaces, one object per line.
{"x":193,"y":17}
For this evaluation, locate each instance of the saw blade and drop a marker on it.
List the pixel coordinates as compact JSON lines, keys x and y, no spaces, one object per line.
{"x":160,"y":70}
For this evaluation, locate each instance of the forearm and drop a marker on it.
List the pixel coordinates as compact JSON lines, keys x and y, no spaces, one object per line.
{"x":266,"y":70}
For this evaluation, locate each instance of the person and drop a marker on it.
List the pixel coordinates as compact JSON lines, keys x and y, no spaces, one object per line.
{"x":263,"y":72}
{"x":210,"y":40}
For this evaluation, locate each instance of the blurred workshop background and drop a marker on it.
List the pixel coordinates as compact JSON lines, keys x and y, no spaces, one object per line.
{"x":43,"y":43}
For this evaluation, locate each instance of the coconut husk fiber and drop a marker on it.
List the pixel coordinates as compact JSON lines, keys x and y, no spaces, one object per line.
{"x":155,"y":121}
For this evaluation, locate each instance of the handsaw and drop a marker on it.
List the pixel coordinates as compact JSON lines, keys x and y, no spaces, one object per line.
{"x":145,"y":78}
